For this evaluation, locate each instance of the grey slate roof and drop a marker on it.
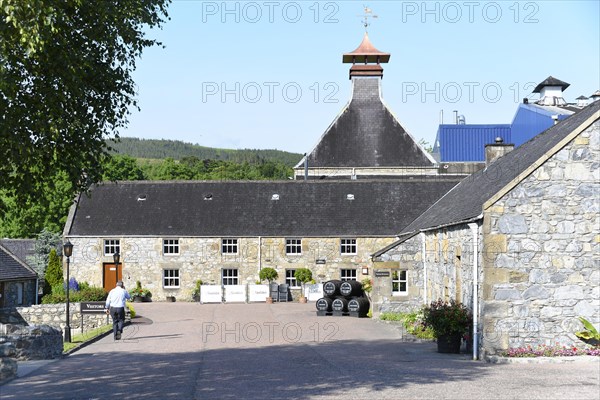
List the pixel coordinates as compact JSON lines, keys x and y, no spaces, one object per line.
{"x":465,"y":201}
{"x":11,"y":268}
{"x":551,"y":81}
{"x":246,"y":208}
{"x":366,"y":134}
{"x":20,"y":248}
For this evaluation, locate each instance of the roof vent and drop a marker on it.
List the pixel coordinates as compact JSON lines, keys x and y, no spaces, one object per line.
{"x":499,"y":140}
{"x":275,"y":197}
{"x":208,"y":196}
{"x":142,"y":197}
{"x":349,"y":196}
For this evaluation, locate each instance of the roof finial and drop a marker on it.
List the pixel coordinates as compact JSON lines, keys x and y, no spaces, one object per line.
{"x":368,"y":13}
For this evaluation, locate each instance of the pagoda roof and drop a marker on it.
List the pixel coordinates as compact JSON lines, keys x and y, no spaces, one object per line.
{"x":366,"y":52}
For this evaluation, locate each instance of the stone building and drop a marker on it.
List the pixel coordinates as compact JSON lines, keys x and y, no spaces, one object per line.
{"x":518,"y":242}
{"x":170,"y":234}
{"x":18,"y":281}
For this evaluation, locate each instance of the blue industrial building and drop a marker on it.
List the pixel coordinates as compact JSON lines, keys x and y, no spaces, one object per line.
{"x":466,"y":142}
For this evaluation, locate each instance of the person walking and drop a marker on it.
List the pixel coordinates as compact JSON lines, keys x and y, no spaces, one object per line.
{"x":115,"y":306}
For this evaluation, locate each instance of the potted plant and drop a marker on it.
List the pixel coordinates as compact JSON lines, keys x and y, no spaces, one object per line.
{"x":196,"y":291}
{"x":268,"y":274}
{"x":303,"y":275}
{"x":139,"y":294}
{"x":449,"y":321}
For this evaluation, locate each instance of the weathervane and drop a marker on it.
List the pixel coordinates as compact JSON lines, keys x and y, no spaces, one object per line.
{"x":365,"y":18}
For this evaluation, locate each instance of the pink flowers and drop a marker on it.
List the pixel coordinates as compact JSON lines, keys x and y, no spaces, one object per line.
{"x":550,"y":351}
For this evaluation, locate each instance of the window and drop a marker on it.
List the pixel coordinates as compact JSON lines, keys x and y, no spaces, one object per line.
{"x":348,"y":274}
{"x":229,"y":276}
{"x":170,"y":246}
{"x":348,"y":246}
{"x":293,"y":246}
{"x":290,"y":279}
{"x":229,"y":246}
{"x":112,"y":246}
{"x":399,"y":283}
{"x":170,"y":278}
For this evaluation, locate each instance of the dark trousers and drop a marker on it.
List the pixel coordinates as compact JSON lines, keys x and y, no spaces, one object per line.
{"x":118,"y":317}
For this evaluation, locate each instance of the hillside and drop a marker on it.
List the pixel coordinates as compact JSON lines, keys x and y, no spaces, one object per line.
{"x":175,"y":149}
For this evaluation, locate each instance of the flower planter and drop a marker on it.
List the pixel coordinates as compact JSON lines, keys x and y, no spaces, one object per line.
{"x":171,"y":299}
{"x":269,"y":300}
{"x":138,"y":299}
{"x":303,"y":299}
{"x":449,"y":343}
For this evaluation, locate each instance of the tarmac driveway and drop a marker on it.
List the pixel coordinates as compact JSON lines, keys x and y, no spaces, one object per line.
{"x":284,"y":351}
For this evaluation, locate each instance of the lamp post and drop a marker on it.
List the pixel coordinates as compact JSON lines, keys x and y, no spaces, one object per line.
{"x":116,"y":258}
{"x":68,"y":252}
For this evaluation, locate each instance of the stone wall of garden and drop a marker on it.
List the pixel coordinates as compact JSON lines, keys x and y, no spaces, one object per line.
{"x":545,"y":271}
{"x":38,"y":342}
{"x":53,"y":315}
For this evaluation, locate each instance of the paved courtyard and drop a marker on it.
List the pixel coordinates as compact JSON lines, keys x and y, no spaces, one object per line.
{"x":284,"y":351}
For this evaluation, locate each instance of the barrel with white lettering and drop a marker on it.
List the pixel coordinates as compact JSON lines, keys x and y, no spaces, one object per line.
{"x":340,"y":304}
{"x":324,"y":304}
{"x":351,"y":288}
{"x":359,"y":305}
{"x":332,"y":288}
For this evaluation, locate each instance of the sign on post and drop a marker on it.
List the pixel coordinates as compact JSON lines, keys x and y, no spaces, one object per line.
{"x":92,"y":307}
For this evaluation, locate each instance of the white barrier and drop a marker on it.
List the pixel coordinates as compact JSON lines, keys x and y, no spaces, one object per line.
{"x":313,"y":292}
{"x":235,"y":293}
{"x":211,"y":294}
{"x":258,"y":292}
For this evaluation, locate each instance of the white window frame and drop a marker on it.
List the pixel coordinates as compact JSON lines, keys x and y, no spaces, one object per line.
{"x":171,"y":278}
{"x":400,"y":277}
{"x":348,"y":247}
{"x":228,"y":245}
{"x":230,"y":276}
{"x":290,"y":279}
{"x":170,"y":247}
{"x":112,"y":244}
{"x":293,"y":247}
{"x":353,"y":274}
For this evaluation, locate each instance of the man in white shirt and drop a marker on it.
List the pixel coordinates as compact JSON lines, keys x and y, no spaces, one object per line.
{"x":115,"y":305}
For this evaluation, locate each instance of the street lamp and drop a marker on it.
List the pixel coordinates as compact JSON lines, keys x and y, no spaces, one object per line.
{"x":68,"y":252}
{"x":116,"y":258}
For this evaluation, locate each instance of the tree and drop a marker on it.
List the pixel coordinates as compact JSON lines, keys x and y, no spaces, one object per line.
{"x":44,"y":244}
{"x":66,"y":86}
{"x":268,"y":274}
{"x":303,"y":275}
{"x":122,"y":168}
{"x":54,"y":272}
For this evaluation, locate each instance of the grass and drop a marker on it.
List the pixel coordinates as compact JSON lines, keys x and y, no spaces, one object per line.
{"x":79,"y":339}
{"x":412,"y":322}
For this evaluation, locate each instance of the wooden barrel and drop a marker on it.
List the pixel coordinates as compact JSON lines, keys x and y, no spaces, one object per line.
{"x":359,"y":305}
{"x":340,"y":304}
{"x":351,"y":288}
{"x":332,"y":288}
{"x":324,"y":304}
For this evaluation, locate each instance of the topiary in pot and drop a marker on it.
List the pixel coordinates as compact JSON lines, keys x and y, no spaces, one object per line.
{"x":303,"y":275}
{"x":268,"y":274}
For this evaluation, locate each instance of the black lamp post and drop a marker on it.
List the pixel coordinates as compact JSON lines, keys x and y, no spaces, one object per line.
{"x":116,"y":258}
{"x":68,"y":252}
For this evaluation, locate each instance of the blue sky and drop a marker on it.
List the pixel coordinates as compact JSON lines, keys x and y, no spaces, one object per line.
{"x":269,"y":74}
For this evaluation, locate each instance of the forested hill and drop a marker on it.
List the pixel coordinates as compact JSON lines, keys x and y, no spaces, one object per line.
{"x":175,"y":149}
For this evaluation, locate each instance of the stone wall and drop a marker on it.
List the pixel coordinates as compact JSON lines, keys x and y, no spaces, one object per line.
{"x":53,"y":315}
{"x":40,"y":342}
{"x":8,"y":362}
{"x":545,"y":270}
{"x":406,"y":256}
{"x":201,"y":258}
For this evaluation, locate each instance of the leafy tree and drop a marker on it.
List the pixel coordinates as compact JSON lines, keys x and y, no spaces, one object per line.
{"x":66,"y":86}
{"x":122,"y":168}
{"x":268,"y":274}
{"x":54,"y":272}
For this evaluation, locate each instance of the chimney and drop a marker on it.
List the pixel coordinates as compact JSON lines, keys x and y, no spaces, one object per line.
{"x":494,"y":151}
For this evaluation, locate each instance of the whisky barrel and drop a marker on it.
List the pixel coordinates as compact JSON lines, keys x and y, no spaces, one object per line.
{"x":351,"y":288}
{"x":340,"y":304}
{"x":359,"y":305}
{"x":324,"y":304}
{"x":332,"y":288}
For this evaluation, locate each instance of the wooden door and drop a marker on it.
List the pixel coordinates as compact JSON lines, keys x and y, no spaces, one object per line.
{"x":111,"y":274}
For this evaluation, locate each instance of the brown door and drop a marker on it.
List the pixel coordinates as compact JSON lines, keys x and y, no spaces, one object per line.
{"x":111,"y":275}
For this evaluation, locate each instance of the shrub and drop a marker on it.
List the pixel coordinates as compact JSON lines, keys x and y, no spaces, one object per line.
{"x":54,"y":272}
{"x":303,"y":275}
{"x":550,"y":351}
{"x":447,"y":318}
{"x":412,"y":322}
